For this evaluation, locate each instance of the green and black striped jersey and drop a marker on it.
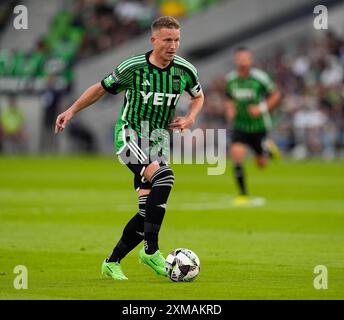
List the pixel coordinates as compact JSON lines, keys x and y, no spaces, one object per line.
{"x":247,"y":91}
{"x":151,"y":93}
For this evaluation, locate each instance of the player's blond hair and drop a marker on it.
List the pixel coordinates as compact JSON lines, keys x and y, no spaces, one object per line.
{"x":165,"y":22}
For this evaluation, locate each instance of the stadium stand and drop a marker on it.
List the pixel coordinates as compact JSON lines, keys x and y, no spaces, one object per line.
{"x":81,"y":29}
{"x":86,"y":38}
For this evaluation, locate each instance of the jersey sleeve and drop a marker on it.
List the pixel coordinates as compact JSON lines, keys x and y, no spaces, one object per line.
{"x":265,"y":80}
{"x":115,"y":82}
{"x":269,"y":85}
{"x":193,"y":86}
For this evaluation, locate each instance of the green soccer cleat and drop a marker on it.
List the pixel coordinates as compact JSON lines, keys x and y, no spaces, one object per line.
{"x":241,"y":200}
{"x":113,"y":270}
{"x":156,"y":261}
{"x":272,"y":149}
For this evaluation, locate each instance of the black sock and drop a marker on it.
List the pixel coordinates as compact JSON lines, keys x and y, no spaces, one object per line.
{"x":132,"y":234}
{"x":162,"y":181}
{"x":240,"y":178}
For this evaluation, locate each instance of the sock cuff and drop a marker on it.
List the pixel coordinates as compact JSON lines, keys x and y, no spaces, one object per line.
{"x":163,"y":178}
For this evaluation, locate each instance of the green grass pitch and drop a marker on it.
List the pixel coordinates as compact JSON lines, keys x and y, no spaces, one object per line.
{"x":60,"y":217}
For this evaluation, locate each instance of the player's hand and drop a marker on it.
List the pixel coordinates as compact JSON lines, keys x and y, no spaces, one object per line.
{"x":181,"y":123}
{"x":62,"y":120}
{"x":254,"y":110}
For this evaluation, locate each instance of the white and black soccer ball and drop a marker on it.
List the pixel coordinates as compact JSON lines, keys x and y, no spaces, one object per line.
{"x":182,"y":265}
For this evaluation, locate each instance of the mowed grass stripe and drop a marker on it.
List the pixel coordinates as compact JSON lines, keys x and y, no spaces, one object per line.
{"x":61,"y":217}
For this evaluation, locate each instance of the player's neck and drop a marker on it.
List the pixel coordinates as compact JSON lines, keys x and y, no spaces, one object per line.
{"x":158,"y":61}
{"x":243,"y":73}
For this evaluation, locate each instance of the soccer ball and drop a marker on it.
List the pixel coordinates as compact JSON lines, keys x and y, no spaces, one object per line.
{"x":182,"y":265}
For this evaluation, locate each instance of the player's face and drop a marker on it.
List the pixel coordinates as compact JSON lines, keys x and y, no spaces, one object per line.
{"x":243,"y":61}
{"x":165,"y":43}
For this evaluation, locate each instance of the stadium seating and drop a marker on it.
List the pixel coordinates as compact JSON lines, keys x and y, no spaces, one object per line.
{"x":78,"y":31}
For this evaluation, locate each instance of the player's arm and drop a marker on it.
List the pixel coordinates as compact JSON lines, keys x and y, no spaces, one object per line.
{"x":90,"y":96}
{"x":230,"y":110}
{"x":194,"y":89}
{"x":272,"y":94}
{"x":273,"y":100}
{"x":187,"y":121}
{"x":266,"y":105}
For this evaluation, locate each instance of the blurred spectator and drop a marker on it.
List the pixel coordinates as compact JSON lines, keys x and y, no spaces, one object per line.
{"x":174,"y":8}
{"x":213,"y":115}
{"x":6,"y":8}
{"x":82,"y":136}
{"x":179,"y":8}
{"x":51,"y":101}
{"x":308,"y":124}
{"x":12,"y":127}
{"x":108,"y":24}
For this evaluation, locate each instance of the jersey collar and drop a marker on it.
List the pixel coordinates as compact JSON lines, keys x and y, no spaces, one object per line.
{"x":156,"y":67}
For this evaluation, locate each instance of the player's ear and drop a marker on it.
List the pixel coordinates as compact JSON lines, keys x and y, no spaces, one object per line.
{"x":152,"y":39}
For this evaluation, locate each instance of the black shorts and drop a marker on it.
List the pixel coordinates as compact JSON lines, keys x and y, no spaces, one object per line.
{"x":254,"y":140}
{"x":137,"y":156}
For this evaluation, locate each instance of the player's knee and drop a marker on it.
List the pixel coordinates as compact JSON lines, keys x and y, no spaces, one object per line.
{"x":163,"y":177}
{"x":144,"y":192}
{"x":237,"y":154}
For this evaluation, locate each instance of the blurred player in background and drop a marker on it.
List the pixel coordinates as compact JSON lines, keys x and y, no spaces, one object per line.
{"x":251,"y":95}
{"x":153,"y":83}
{"x":12,"y":123}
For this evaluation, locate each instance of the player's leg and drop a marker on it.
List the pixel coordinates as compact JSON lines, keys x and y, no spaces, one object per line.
{"x":133,"y":232}
{"x":238,"y":153}
{"x":132,"y":235}
{"x":272,"y":149}
{"x":162,"y":178}
{"x":258,"y":145}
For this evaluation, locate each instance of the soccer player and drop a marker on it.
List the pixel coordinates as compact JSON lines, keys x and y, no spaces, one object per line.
{"x":251,"y":95}
{"x":153,"y":83}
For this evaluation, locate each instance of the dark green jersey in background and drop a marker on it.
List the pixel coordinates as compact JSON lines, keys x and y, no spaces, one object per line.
{"x":151,"y":93}
{"x":247,"y":91}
